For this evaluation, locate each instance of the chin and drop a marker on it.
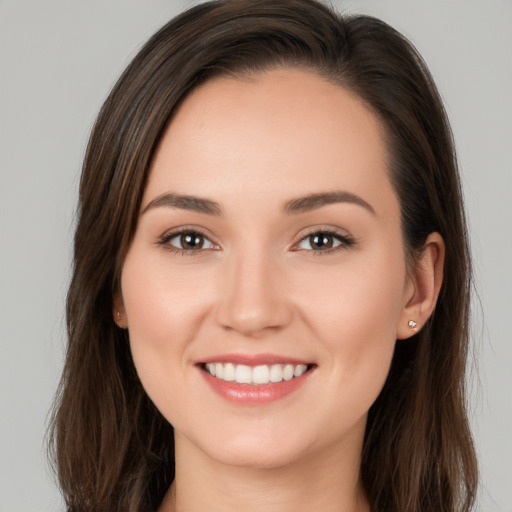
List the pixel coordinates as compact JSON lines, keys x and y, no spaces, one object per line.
{"x":256,"y":457}
{"x":258,"y":451}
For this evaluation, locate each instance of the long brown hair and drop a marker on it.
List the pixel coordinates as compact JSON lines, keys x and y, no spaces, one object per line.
{"x":112,"y":448}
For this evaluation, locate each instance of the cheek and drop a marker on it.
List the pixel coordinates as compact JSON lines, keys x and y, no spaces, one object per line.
{"x":162,"y":301}
{"x":164,"y":311}
{"x":355,"y":316}
{"x":361,"y":294}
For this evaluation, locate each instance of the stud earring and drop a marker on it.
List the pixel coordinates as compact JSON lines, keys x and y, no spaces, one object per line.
{"x":118,"y":316}
{"x":412,"y":324}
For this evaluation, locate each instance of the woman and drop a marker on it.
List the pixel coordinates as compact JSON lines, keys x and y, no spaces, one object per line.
{"x":269,"y":304}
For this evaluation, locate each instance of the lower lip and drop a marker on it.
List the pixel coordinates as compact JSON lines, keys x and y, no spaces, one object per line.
{"x":254,"y":394}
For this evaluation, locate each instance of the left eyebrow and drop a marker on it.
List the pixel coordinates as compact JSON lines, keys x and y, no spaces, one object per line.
{"x":314,"y":201}
{"x":184,"y":202}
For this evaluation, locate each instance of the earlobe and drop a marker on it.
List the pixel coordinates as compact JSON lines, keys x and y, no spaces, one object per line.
{"x":118,"y":311}
{"x":423,"y":288}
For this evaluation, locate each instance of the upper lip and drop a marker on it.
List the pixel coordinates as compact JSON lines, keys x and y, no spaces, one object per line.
{"x":253,"y":359}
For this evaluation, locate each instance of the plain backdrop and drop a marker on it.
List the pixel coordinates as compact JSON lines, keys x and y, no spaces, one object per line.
{"x":58,"y":60}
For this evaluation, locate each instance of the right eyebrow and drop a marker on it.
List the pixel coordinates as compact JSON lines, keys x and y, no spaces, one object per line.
{"x":313,"y":201}
{"x":192,"y":203}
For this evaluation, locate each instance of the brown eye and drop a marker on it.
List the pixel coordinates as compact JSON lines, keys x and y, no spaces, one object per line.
{"x":191,"y":241}
{"x":323,"y":241}
{"x":188,"y":241}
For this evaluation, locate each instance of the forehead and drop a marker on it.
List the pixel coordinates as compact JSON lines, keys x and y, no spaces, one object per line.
{"x":285,"y":130}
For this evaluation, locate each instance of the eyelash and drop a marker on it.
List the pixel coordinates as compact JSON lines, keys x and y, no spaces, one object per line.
{"x":345,"y":242}
{"x":164,"y":241}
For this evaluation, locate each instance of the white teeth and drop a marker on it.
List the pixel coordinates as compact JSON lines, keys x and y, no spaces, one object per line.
{"x":243,"y":374}
{"x":260,"y":374}
{"x":299,"y":370}
{"x":229,"y":372}
{"x":288,"y":372}
{"x":276,"y":373}
{"x":263,"y":374}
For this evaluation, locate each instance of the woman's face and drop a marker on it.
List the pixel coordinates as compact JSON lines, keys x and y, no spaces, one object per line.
{"x":269,"y":244}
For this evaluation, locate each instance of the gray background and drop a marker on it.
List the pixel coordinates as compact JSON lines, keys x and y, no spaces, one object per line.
{"x":59,"y":58}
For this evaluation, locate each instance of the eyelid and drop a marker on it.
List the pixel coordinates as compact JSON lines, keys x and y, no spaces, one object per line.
{"x":168,"y":235}
{"x":346,"y":239}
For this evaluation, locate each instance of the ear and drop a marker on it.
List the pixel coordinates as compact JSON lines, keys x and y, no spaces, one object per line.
{"x":119,"y":311}
{"x":422,"y":288}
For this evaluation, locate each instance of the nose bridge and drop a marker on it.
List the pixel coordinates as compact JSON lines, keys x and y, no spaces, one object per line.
{"x":251,"y":296}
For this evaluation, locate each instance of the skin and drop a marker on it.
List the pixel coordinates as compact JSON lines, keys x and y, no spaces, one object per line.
{"x":258,"y":286}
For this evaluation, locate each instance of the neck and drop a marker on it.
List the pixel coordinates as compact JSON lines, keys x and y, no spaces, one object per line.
{"x":328,"y":481}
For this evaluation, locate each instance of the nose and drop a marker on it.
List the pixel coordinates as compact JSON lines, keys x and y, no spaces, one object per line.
{"x":253,"y":296}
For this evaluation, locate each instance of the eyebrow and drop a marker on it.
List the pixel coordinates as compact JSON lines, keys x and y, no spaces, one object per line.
{"x":292,"y":207}
{"x":314,"y":201}
{"x":192,"y":203}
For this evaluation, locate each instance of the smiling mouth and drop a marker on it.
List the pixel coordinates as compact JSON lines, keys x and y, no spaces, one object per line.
{"x":255,"y":375}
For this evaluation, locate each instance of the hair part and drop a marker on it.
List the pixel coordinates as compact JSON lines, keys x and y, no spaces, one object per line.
{"x":112,"y":448}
